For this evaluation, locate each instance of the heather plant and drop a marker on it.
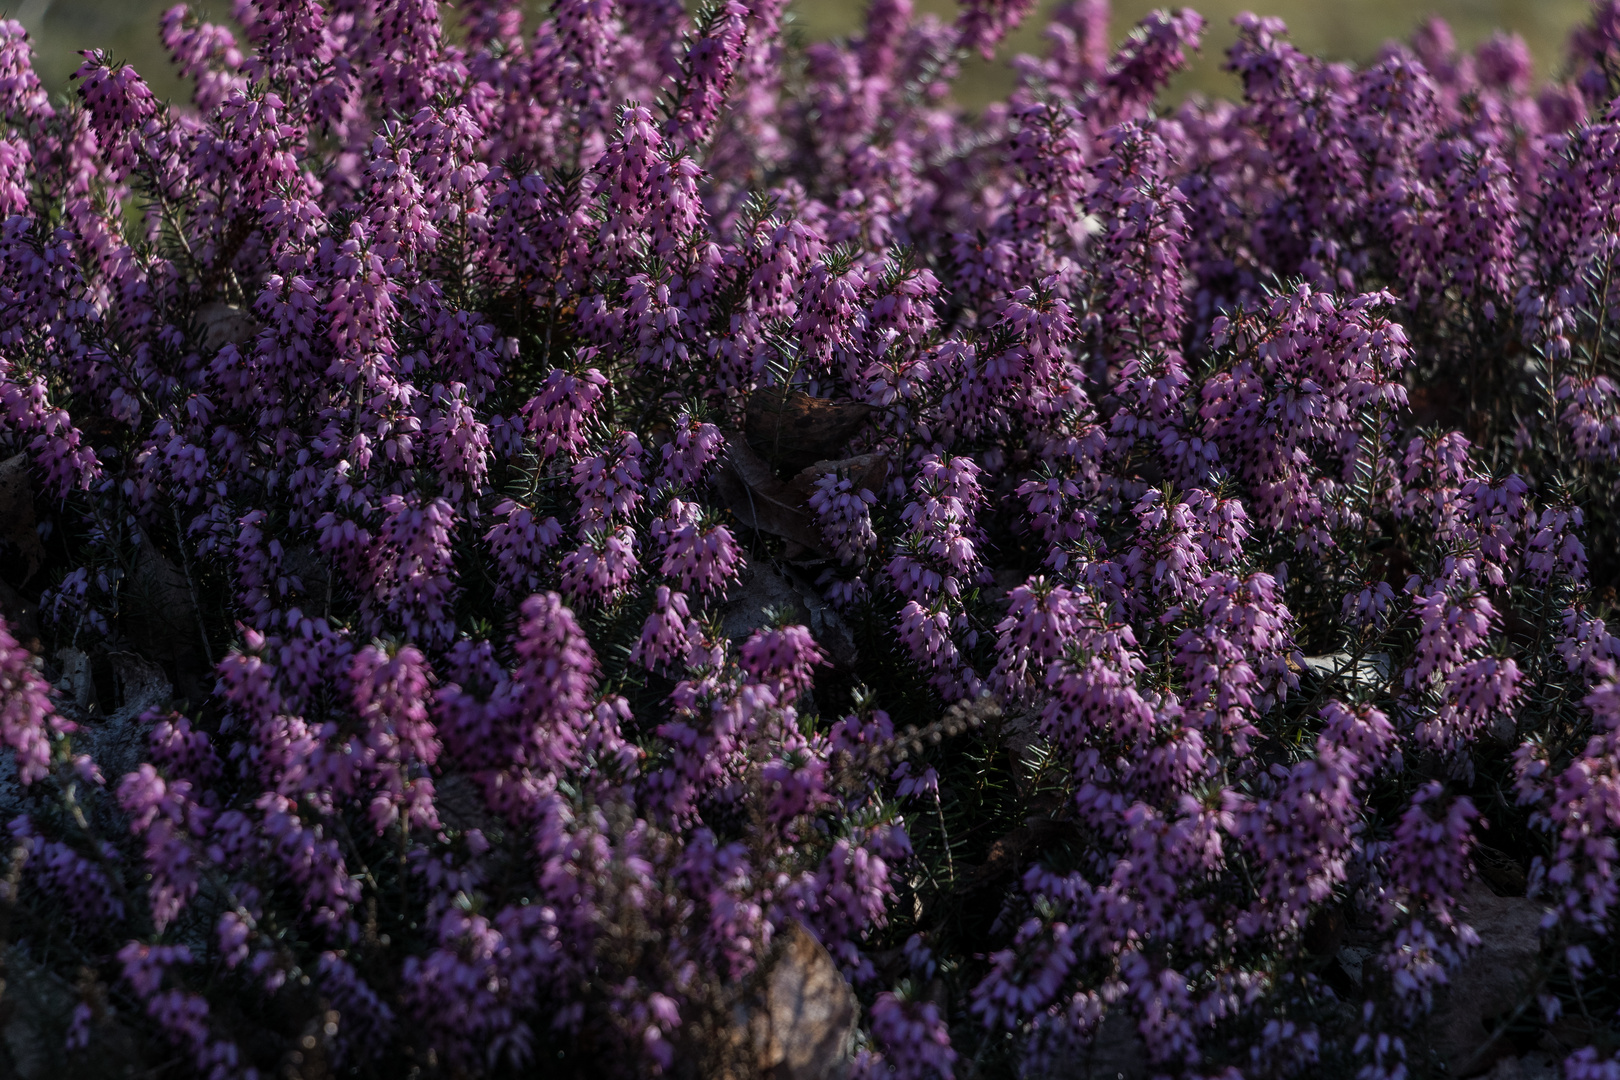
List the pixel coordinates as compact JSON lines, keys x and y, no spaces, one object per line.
{"x":1202,"y":520}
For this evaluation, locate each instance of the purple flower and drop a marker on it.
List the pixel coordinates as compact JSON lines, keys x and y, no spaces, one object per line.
{"x":915,"y":1040}
{"x":984,"y":23}
{"x":699,"y":551}
{"x":28,"y":720}
{"x":381,"y":399}
{"x":670,"y":637}
{"x":602,"y":565}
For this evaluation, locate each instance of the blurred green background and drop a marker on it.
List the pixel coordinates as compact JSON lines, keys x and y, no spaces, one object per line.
{"x":1337,"y":29}
{"x":1341,"y":29}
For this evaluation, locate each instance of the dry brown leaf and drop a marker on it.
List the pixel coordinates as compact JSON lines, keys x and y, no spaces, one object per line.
{"x":762,"y":502}
{"x":793,"y":430}
{"x":869,"y":471}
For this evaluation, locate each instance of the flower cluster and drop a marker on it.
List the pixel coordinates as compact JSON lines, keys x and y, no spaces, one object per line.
{"x":501,"y":528}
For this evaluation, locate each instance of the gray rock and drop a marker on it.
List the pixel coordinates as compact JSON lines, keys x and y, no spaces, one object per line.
{"x":142,"y":685}
{"x":805,"y":1028}
{"x":117,"y":740}
{"x":1117,"y":1052}
{"x":76,"y":684}
{"x":1353,"y":962}
{"x":1501,"y":974}
{"x":1529,"y":1067}
{"x":36,"y":1008}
